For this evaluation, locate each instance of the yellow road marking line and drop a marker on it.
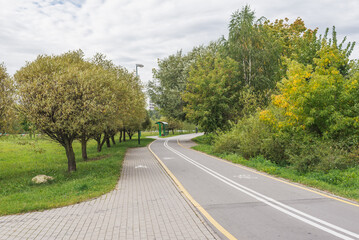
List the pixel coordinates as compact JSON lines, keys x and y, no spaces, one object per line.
{"x":191,"y":199}
{"x":266,"y":175}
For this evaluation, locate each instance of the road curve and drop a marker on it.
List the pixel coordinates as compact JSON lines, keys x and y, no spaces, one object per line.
{"x":253,"y":205}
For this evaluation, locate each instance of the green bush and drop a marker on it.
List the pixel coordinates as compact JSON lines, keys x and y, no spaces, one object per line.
{"x":274,"y":148}
{"x":312,"y":154}
{"x":246,"y":138}
{"x":304,"y":152}
{"x":208,"y":138}
{"x":227,"y":142}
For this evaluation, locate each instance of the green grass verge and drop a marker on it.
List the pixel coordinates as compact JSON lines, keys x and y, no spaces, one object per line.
{"x":21,"y":159}
{"x":343,"y":183}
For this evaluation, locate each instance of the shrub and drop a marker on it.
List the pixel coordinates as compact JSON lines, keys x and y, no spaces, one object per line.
{"x":318,"y":155}
{"x":274,"y":148}
{"x":246,"y":138}
{"x":206,"y":139}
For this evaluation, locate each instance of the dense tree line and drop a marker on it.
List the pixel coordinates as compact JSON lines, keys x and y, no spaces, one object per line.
{"x":70,"y":98}
{"x":274,"y":89}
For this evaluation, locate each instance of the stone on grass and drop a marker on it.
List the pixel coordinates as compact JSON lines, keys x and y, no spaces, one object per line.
{"x":41,"y":179}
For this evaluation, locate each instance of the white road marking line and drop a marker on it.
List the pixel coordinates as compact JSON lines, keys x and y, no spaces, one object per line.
{"x":245,"y":176}
{"x":269,"y":201}
{"x":141,"y":166}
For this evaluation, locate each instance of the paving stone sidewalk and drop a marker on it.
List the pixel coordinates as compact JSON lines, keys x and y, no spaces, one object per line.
{"x":145,"y":205}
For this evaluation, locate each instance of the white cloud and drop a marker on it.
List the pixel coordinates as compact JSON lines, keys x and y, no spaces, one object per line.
{"x":135,"y":31}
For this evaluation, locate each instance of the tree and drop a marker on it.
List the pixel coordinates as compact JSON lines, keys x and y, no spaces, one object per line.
{"x":59,"y":94}
{"x":109,"y":120}
{"x":294,"y":41}
{"x":147,"y":122}
{"x":254,"y":50}
{"x":212,"y":92}
{"x":6,"y":99}
{"x":168,"y":84}
{"x":322,"y":99}
{"x":133,"y":111}
{"x":99,"y":92}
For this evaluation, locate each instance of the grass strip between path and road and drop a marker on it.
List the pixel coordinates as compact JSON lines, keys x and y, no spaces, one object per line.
{"x":21,"y":159}
{"x":344,"y":183}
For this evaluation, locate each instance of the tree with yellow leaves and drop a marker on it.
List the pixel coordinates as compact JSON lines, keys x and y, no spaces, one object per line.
{"x":321,"y":99}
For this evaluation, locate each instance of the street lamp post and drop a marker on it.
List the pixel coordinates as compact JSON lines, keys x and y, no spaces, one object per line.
{"x":137,"y":66}
{"x":139,"y":131}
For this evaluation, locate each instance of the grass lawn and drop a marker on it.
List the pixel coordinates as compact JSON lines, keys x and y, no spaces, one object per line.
{"x":22,"y":158}
{"x":343,"y":183}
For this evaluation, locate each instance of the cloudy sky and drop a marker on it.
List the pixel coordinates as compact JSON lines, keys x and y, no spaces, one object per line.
{"x":141,"y":31}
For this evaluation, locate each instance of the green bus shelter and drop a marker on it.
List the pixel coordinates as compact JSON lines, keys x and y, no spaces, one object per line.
{"x":162,"y":128}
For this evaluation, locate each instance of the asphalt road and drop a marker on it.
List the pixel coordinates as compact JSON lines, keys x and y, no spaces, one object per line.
{"x":252,"y":205}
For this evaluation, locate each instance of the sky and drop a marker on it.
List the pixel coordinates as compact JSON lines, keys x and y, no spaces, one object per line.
{"x":134,"y":31}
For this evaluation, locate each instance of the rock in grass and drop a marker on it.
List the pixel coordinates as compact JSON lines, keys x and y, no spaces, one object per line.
{"x":41,"y":179}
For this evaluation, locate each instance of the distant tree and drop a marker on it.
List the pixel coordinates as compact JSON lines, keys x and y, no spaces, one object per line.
{"x":6,"y":99}
{"x":135,"y":113}
{"x":174,"y":124}
{"x":147,"y":122}
{"x":169,"y":82}
{"x":154,"y":114}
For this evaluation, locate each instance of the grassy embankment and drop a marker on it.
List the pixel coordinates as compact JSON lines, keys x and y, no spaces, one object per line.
{"x":343,"y":183}
{"x":22,"y":158}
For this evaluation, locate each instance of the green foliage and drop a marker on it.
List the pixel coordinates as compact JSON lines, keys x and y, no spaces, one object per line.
{"x":294,"y":40}
{"x":170,"y":79}
{"x":6,"y":100}
{"x":61,"y":94}
{"x":147,"y":123}
{"x":68,"y":98}
{"x":245,"y":138}
{"x":206,"y":139}
{"x":255,"y":50}
{"x":320,"y":100}
{"x":212,"y":92}
{"x":168,"y":84}
{"x":307,"y":155}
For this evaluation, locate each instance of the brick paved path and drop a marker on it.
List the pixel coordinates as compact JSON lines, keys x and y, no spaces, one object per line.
{"x":145,"y":205}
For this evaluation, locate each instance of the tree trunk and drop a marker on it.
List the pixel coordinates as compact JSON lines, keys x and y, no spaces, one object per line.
{"x":84,"y":148}
{"x":124,"y":135}
{"x":105,"y":137}
{"x":108,"y":143}
{"x":129,"y":133}
{"x":113,"y":139}
{"x":98,"y":140}
{"x":71,"y":162}
{"x":120,"y":138}
{"x":99,"y":146}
